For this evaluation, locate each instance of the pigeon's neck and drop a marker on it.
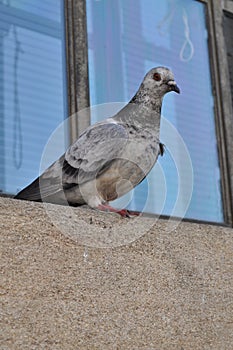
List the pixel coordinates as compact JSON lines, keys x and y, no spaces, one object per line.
{"x":149,"y":98}
{"x":142,"y":111}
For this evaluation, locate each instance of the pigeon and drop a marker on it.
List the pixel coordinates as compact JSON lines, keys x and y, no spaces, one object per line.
{"x":110,"y":157}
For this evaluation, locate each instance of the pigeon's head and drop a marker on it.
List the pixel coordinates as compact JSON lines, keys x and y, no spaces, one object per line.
{"x":158,"y":81}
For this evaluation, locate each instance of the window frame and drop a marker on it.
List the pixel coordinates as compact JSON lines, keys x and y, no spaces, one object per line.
{"x":222,"y":100}
{"x":77,"y":65}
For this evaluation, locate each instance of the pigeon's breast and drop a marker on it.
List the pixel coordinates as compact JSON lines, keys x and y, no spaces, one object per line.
{"x":130,"y":168}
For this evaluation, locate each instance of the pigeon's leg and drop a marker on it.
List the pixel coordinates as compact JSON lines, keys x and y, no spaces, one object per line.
{"x":122,"y":212}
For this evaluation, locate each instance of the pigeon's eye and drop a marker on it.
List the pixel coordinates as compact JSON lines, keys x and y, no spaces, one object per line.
{"x":157,"y":77}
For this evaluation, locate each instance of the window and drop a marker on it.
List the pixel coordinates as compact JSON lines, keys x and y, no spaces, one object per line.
{"x":125,"y":40}
{"x":48,"y":72}
{"x":32,"y":86}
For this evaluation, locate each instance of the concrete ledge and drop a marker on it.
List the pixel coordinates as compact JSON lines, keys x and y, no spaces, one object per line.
{"x":165,"y":290}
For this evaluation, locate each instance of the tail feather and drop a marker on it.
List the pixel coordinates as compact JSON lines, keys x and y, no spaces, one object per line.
{"x":31,"y":192}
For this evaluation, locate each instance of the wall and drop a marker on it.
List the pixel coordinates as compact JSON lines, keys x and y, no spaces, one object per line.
{"x":164,"y":290}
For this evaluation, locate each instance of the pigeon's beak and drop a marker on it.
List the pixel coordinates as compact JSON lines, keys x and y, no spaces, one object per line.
{"x":173,"y":86}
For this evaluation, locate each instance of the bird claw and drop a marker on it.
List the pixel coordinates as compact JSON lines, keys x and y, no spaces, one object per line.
{"x":133,"y":213}
{"x":125,"y":213}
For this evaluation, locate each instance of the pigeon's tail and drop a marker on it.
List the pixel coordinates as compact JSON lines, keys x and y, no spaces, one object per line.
{"x":31,"y":192}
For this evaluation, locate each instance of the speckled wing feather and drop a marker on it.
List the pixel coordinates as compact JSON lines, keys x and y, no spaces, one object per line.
{"x":93,"y":152}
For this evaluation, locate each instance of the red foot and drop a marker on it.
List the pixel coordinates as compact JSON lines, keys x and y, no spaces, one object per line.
{"x":122,"y":212}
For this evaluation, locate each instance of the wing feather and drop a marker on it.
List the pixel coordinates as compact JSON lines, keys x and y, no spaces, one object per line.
{"x":85,"y":159}
{"x":93,"y":152}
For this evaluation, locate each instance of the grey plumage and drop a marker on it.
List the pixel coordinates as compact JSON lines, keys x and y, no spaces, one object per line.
{"x":110,"y":157}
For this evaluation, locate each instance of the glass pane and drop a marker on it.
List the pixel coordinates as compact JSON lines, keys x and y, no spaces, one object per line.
{"x":126,"y":38}
{"x":33,"y":86}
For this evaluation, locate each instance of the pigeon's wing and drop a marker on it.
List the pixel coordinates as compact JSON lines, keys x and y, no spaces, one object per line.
{"x":87,"y":158}
{"x":93,"y":153}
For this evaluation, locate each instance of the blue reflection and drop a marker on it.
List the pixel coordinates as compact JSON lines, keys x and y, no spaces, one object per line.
{"x":128,"y":37}
{"x":33,"y":86}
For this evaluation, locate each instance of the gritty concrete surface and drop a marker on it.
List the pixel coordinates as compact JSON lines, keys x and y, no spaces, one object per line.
{"x":162,"y":290}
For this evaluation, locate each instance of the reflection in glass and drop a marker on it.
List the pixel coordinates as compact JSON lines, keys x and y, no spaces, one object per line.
{"x":125,"y":39}
{"x":32,"y":86}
